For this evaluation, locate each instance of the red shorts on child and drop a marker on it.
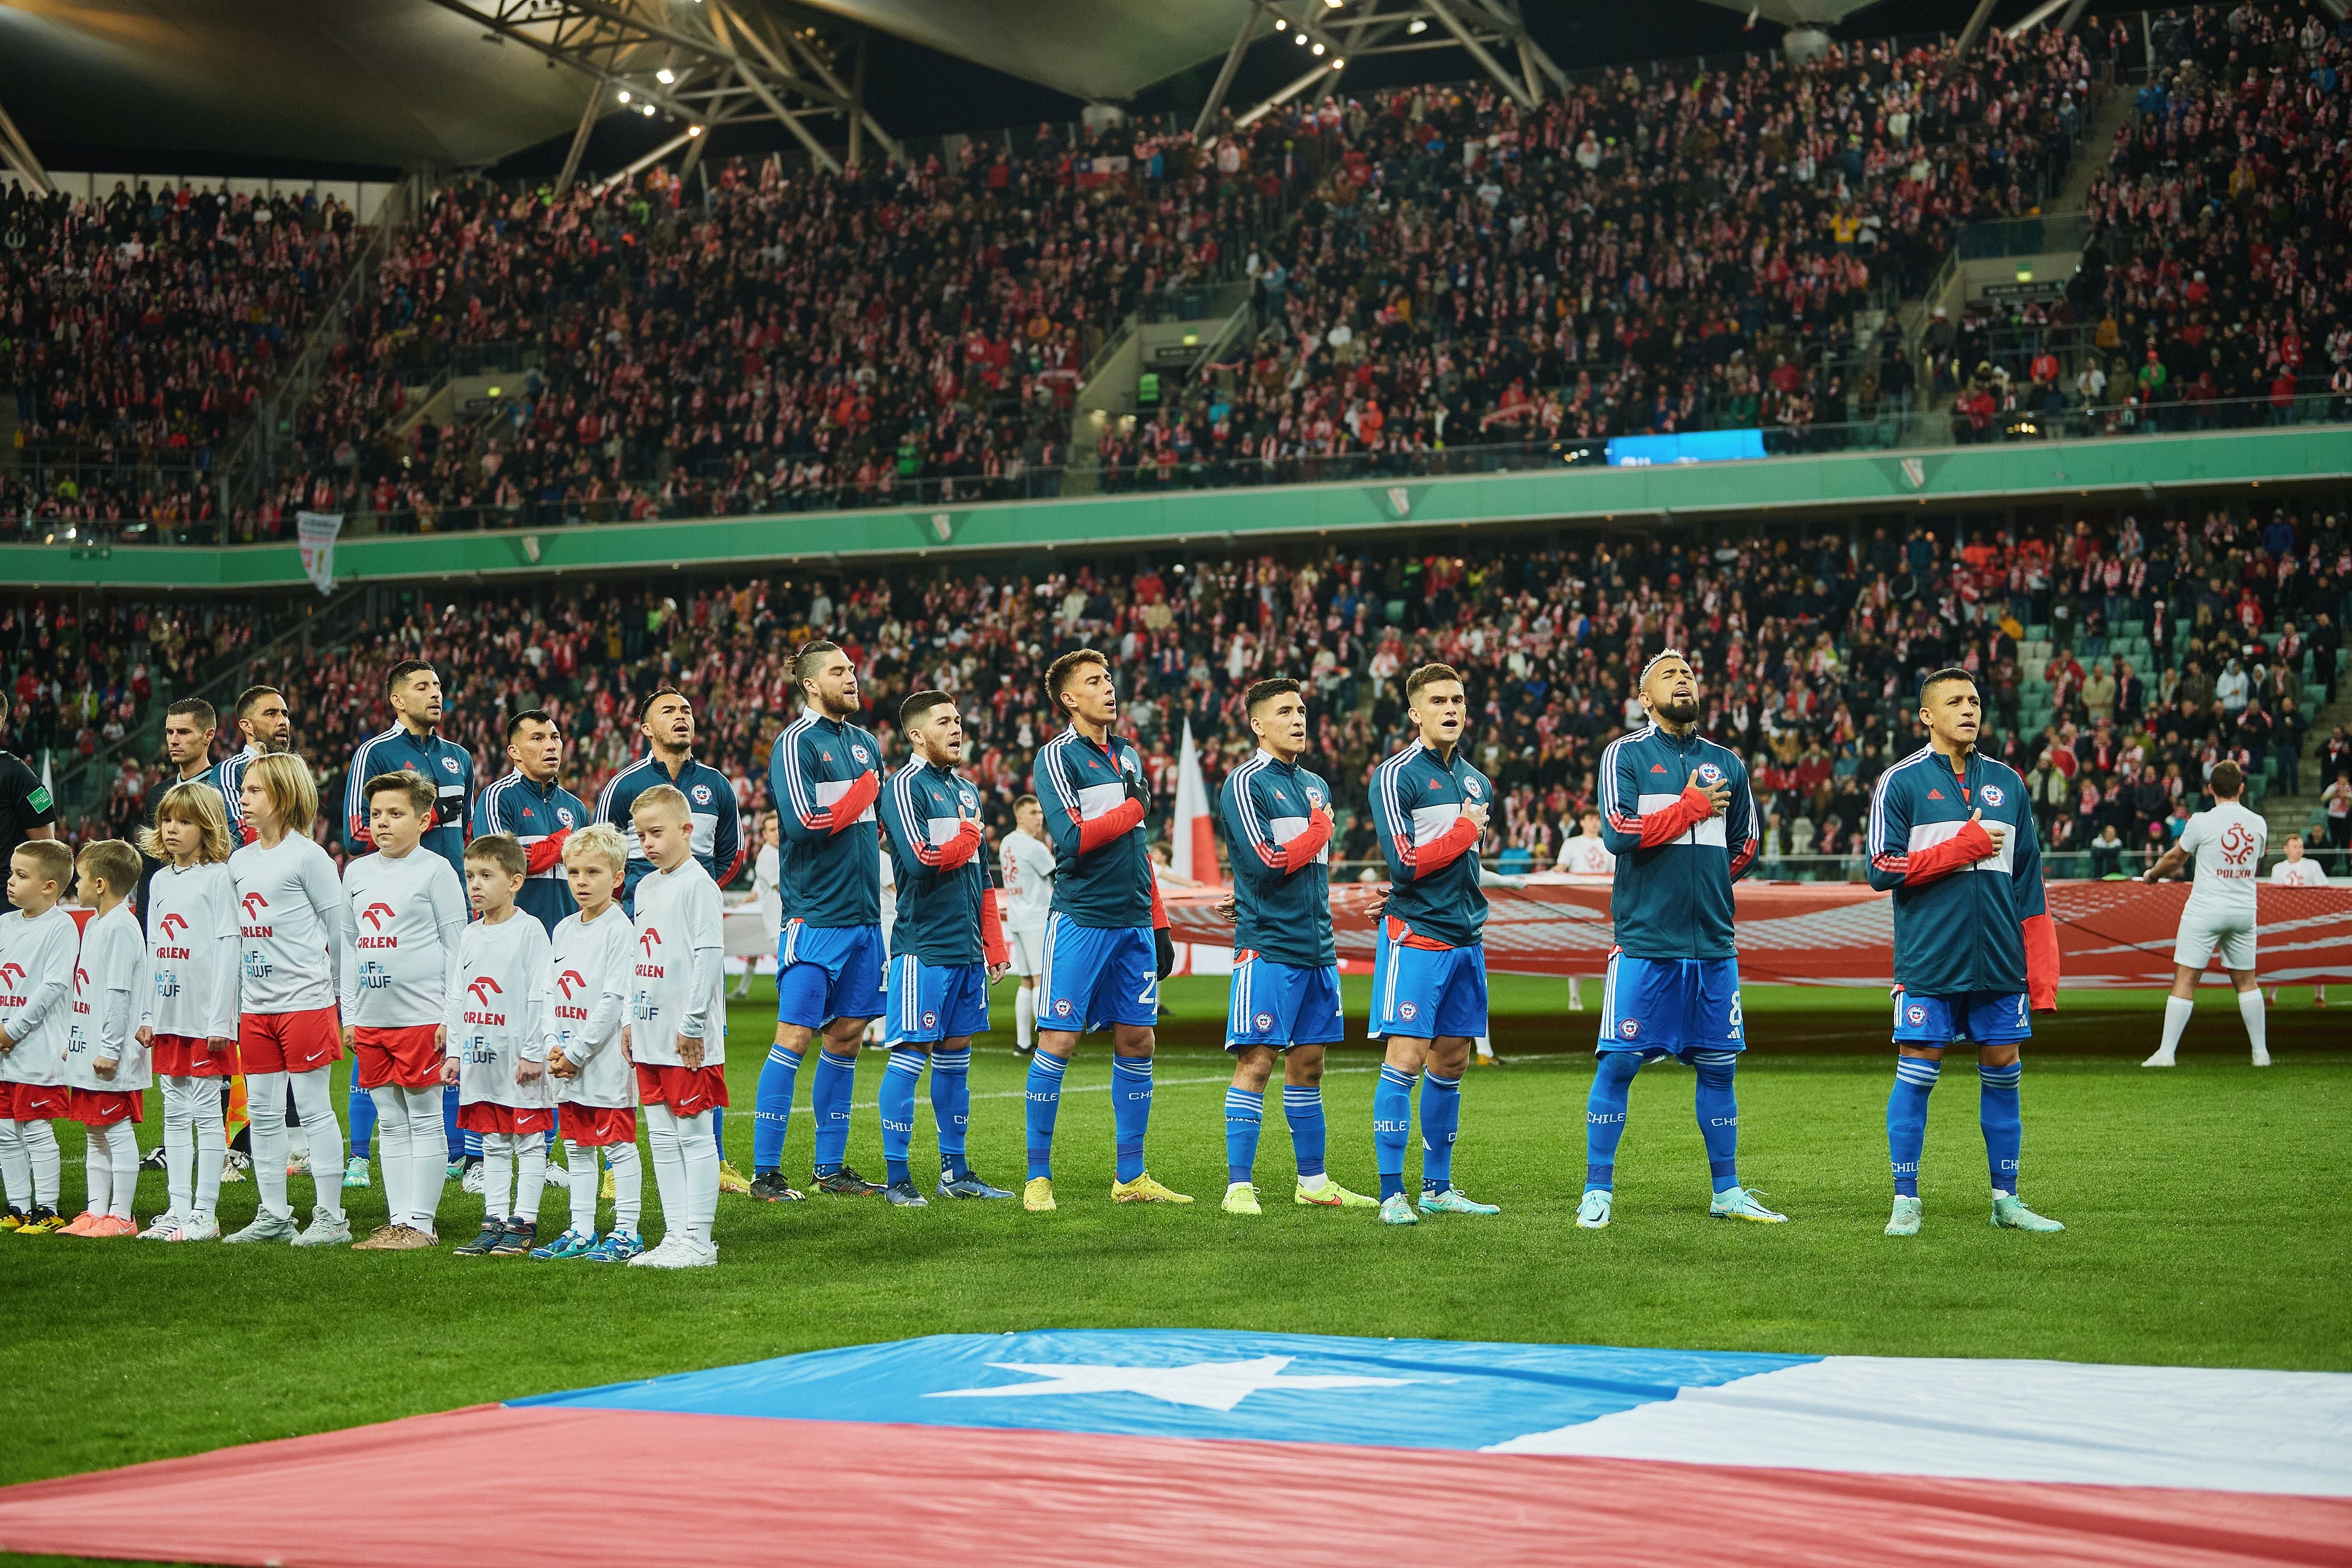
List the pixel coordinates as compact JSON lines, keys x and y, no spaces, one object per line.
{"x":289,"y":1042}
{"x":105,"y":1107}
{"x":686,"y":1091}
{"x":406,"y":1057}
{"x":191,"y":1056}
{"x":488,"y":1116}
{"x":599,"y":1126}
{"x":35,"y":1102}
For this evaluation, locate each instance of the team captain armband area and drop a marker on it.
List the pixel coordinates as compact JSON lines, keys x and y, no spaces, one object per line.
{"x":1130,"y":1446}
{"x":2109,"y":933}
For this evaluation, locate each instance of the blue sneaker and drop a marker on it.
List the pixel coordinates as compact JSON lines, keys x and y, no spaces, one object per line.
{"x":904,"y":1195}
{"x":1446,"y":1200}
{"x":968,"y":1185}
{"x":571,"y":1244}
{"x":617,"y":1248}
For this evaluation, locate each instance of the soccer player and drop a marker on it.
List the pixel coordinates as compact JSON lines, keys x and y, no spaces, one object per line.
{"x":2297,"y":870}
{"x":38,"y":948}
{"x":825,"y":776}
{"x":2228,"y":844}
{"x":946,"y":949}
{"x":596,"y":951}
{"x":497,"y":1032}
{"x":1679,"y":816}
{"x":106,"y":1066}
{"x":402,"y":913}
{"x":1429,"y":806}
{"x":678,"y":1028}
{"x":1951,"y":836}
{"x":189,"y":1017}
{"x":1106,"y":948}
{"x":189,"y":726}
{"x":537,"y":812}
{"x":1284,"y":998}
{"x":263,"y":726}
{"x":1025,"y":861}
{"x":290,"y":1026}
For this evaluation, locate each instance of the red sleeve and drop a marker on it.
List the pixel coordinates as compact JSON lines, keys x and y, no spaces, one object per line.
{"x":1965,"y":848}
{"x":2041,"y":934}
{"x":547,"y":853}
{"x":1094,"y":832}
{"x":1668,"y":824}
{"x":1440,"y":852}
{"x":962,"y":848}
{"x":855,"y":800}
{"x":1300,"y":852}
{"x":992,"y":930}
{"x":1158,"y":908}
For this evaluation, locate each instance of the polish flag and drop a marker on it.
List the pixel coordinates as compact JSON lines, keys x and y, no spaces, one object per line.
{"x":1192,"y":837}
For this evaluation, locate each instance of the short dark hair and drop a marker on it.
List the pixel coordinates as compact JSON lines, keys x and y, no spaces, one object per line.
{"x":1064,"y":670}
{"x":503,"y":851}
{"x":1938,"y":677}
{"x":250,"y":698}
{"x":649,"y":698}
{"x":1428,"y":676}
{"x":806,"y":661}
{"x":1268,"y":690}
{"x":527,"y":716}
{"x":415,"y":786}
{"x":1021,"y":800}
{"x":921,"y":702}
{"x":195,"y":708}
{"x":2227,"y":779}
{"x":401,"y":671}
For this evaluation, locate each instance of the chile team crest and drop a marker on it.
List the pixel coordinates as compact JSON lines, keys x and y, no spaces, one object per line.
{"x":1991,"y":794}
{"x":1630,"y":1028}
{"x":703,"y":794}
{"x":1708,"y":773}
{"x":1916,"y":1014}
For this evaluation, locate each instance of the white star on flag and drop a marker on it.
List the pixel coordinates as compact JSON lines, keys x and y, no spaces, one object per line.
{"x":1205,"y":1385}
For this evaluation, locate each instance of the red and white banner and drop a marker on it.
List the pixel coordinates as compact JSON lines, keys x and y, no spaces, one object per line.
{"x":1842,"y":934}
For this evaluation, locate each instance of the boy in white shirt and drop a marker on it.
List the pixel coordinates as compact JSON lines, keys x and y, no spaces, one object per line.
{"x":402,"y":913}
{"x":497,"y":1022}
{"x":678,"y":1029}
{"x":106,"y":1067}
{"x":189,"y":1021}
{"x":38,"y":945}
{"x":2297,"y":870}
{"x":596,"y":1091}
{"x":289,"y":1022}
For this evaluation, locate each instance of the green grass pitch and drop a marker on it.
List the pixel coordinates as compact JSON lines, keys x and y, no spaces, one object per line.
{"x":2202,"y":1207}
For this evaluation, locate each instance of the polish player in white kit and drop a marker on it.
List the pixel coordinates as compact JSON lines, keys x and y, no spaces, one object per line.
{"x":2227,"y":843}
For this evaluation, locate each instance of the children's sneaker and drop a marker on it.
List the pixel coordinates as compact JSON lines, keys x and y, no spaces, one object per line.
{"x":266,"y":1227}
{"x":233,"y":1165}
{"x":905,"y":1195}
{"x":662,"y":1254}
{"x":325,"y":1230}
{"x":1324,"y":1193}
{"x":13,"y":1219}
{"x":1241,"y":1197}
{"x":153,"y":1160}
{"x":114,"y":1227}
{"x":969,"y":1186}
{"x":80,"y":1223}
{"x":472,"y":1180}
{"x":395,"y":1238}
{"x":1592,"y":1213}
{"x":1449,"y":1200}
{"x":357,"y":1174}
{"x":42,"y":1222}
{"x":604,"y":1190}
{"x":618,"y":1248}
{"x":297,"y":1163}
{"x":1739,"y":1203}
{"x":768,"y":1186}
{"x":202,"y":1228}
{"x":1397,"y":1209}
{"x":558,"y":1176}
{"x":516,"y":1243}
{"x":165,"y":1223}
{"x":571,"y":1244}
{"x":733,"y":1180}
{"x":679,"y":1252}
{"x":493,"y":1232}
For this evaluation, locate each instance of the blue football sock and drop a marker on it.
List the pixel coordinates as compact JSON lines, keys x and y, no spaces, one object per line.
{"x":1605,"y":1116}
{"x":363,"y":1117}
{"x":951,"y":1107}
{"x":1245,"y":1115}
{"x":772,"y":1111}
{"x":1303,"y":1109}
{"x":898,"y":1105}
{"x":1441,"y":1119}
{"x":719,"y":1130}
{"x":829,"y":1098}
{"x":460,"y":1144}
{"x":1044,"y":1097}
{"x":1391,"y":1126}
{"x":1131,"y":1111}
{"x":2003,"y":1123}
{"x":1718,"y":1115}
{"x":1906,"y":1119}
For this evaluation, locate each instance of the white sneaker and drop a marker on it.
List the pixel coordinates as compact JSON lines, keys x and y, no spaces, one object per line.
{"x":205,"y":1227}
{"x":162,"y":1229}
{"x":2261,"y":1056}
{"x":680,"y":1251}
{"x":266,"y":1227}
{"x":2162,"y":1058}
{"x":233,"y":1165}
{"x":325,"y":1230}
{"x":558,"y":1176}
{"x":662,"y":1254}
{"x":472,"y":1180}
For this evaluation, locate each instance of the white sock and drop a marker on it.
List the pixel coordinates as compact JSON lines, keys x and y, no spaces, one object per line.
{"x":179,"y":1143}
{"x":15,"y":1166}
{"x":126,"y":1169}
{"x":497,"y":1171}
{"x":530,"y":1175}
{"x":628,"y":1187}
{"x":41,"y":1147}
{"x":396,"y":1149}
{"x":314,"y":1101}
{"x":265,"y":1124}
{"x":428,"y":1157}
{"x":2250,"y":1009}
{"x":1575,"y":995}
{"x":211,"y":1144}
{"x":1485,"y":1046}
{"x":2176,"y":1018}
{"x":1024,"y":1017}
{"x":701,"y":1174}
{"x":669,"y":1169}
{"x":583,"y":1190}
{"x":97,"y":1169}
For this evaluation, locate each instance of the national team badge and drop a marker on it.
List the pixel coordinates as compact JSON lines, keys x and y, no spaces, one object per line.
{"x":1408,"y":1013}
{"x":449,"y":765}
{"x":1470,"y":788}
{"x":1630,"y":1028}
{"x":860,"y":753}
{"x":1916,"y":1014}
{"x":1265,"y":1023}
{"x":1062,"y":1009}
{"x":1991,"y":793}
{"x":1708,"y":773}
{"x":563,"y":815}
{"x":930,"y":1020}
{"x":703,"y":794}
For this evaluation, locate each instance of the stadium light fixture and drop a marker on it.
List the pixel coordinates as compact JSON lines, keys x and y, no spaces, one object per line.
{"x":648,"y":112}
{"x":1418,"y":25}
{"x":1302,"y":36}
{"x":1319,"y":48}
{"x":665,"y":76}
{"x":694,"y":130}
{"x":624,"y":95}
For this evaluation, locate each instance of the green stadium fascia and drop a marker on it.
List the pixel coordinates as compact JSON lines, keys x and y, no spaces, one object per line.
{"x":1823,"y":485}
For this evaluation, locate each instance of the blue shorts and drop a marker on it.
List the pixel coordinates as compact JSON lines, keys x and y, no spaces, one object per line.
{"x":1281,"y":1005}
{"x":828,"y":972}
{"x":932,"y":1002}
{"x":1095,"y":976}
{"x":1423,"y":992}
{"x":1987,"y":1017}
{"x":1671,"y":1007}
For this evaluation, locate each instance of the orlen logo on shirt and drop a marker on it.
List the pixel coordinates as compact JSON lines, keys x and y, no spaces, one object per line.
{"x":648,"y":968}
{"x":570,"y":981}
{"x":81,"y":983}
{"x":254,"y":905}
{"x":171,"y":926}
{"x":482,"y":989}
{"x":375,"y":915}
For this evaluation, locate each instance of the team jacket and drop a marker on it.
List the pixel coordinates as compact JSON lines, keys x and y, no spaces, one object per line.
{"x":401,"y":920}
{"x":448,"y":764}
{"x":497,"y":1013}
{"x":1966,"y":919}
{"x":824,"y":777}
{"x":946,"y":914}
{"x":192,"y":953}
{"x":541,"y":817}
{"x":1434,"y":900}
{"x":1676,"y":860}
{"x":587,"y":1002}
{"x":38,"y":955}
{"x":1102,"y":876}
{"x":228,"y":778}
{"x":110,"y":983}
{"x":1276,"y":818}
{"x":713,"y":825}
